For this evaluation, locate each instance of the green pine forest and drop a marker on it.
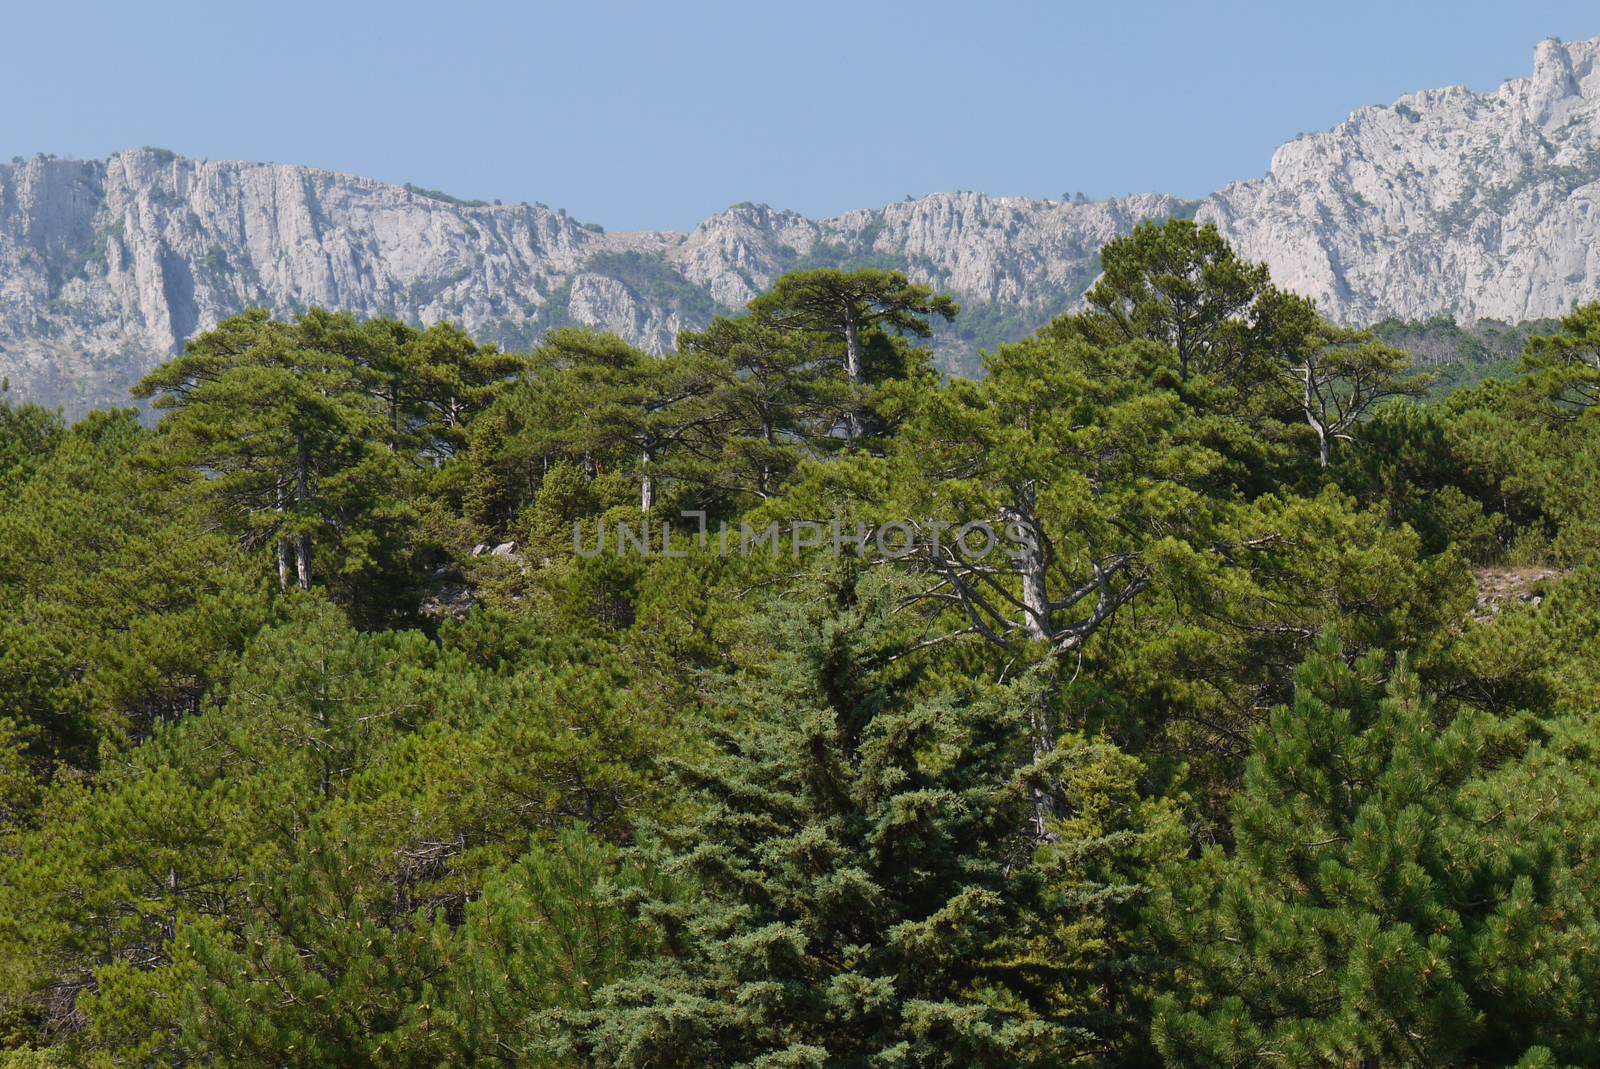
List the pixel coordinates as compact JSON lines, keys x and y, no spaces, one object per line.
{"x":332,"y":735}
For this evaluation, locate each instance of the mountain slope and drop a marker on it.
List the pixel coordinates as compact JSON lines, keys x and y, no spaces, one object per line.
{"x":1446,"y":203}
{"x":107,"y":266}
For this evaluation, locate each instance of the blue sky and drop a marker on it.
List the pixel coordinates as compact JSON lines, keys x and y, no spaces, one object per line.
{"x":658,"y":114}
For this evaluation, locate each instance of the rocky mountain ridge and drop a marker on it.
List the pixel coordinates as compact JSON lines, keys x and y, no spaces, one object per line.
{"x":1447,"y":202}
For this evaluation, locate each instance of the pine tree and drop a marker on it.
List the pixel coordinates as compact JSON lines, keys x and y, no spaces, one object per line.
{"x":778,"y":392}
{"x":279,"y":430}
{"x":121,"y":607}
{"x":618,"y":403}
{"x":327,"y":970}
{"x":28,"y":435}
{"x":454,"y":379}
{"x":1340,"y":374}
{"x":867,"y":315}
{"x":1180,"y":284}
{"x":1563,"y":369}
{"x":1391,"y":899}
{"x":548,"y":933}
{"x":857,"y":885}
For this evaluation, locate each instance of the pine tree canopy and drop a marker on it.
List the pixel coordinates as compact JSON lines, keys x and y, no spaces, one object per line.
{"x":1198,"y":687}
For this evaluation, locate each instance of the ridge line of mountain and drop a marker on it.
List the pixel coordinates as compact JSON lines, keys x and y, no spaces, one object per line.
{"x":1445,"y":203}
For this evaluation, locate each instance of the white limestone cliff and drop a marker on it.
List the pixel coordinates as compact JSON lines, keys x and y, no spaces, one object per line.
{"x":107,"y":267}
{"x":1447,"y":202}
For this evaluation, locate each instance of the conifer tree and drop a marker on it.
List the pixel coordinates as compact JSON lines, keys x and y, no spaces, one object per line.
{"x":1339,"y":375}
{"x":1380,"y":905}
{"x":273,"y":428}
{"x":326,"y":970}
{"x":453,"y":379}
{"x":1563,"y":369}
{"x":28,"y":435}
{"x":857,"y":886}
{"x":1180,"y":284}
{"x":778,"y":393}
{"x":619,"y":402}
{"x":858,"y":310}
{"x":548,"y":933}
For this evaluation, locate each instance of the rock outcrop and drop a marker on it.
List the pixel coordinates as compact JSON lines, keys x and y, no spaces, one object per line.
{"x":1448,"y":202}
{"x":106,"y":267}
{"x":1445,"y":203}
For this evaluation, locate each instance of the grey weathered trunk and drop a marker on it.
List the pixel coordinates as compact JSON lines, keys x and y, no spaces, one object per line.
{"x":1031,"y":562}
{"x":303,"y":545}
{"x":852,"y":367}
{"x":1044,"y":744}
{"x":1035,"y":592}
{"x":280,"y":505}
{"x":771,"y":437}
{"x":647,"y":484}
{"x":1308,"y":404}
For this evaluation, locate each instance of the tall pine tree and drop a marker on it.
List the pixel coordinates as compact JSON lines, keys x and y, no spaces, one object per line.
{"x":858,"y":887}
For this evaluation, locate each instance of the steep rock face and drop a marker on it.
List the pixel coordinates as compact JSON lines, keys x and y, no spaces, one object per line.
{"x":1034,"y":254}
{"x":738,"y":253}
{"x":1448,"y":202}
{"x":107,"y":267}
{"x":609,"y":304}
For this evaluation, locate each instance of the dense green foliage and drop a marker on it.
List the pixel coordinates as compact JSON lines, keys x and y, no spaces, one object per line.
{"x":1188,"y":691}
{"x":1463,"y":355}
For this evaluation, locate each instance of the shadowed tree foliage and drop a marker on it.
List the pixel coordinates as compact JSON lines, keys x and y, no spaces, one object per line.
{"x":857,"y":888}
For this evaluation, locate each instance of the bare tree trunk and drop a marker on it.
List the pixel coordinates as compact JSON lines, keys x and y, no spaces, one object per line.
{"x":647,"y":485}
{"x":1182,"y":346}
{"x":1035,"y":591}
{"x":281,"y":506}
{"x":852,"y":348}
{"x":303,"y":547}
{"x":1044,"y":744}
{"x":852,"y":367}
{"x":1031,"y":562}
{"x":764,"y":485}
{"x":1308,"y":404}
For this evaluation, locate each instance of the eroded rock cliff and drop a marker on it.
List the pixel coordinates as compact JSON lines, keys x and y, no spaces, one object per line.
{"x":1448,"y":202}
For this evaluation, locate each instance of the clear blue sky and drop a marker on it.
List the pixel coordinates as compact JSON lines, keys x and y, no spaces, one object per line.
{"x":658,"y":114}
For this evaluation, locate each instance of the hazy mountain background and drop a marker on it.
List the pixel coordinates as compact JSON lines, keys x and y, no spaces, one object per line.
{"x":1470,"y":210}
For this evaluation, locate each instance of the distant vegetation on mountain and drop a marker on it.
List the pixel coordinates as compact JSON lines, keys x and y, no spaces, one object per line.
{"x":1463,"y":355}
